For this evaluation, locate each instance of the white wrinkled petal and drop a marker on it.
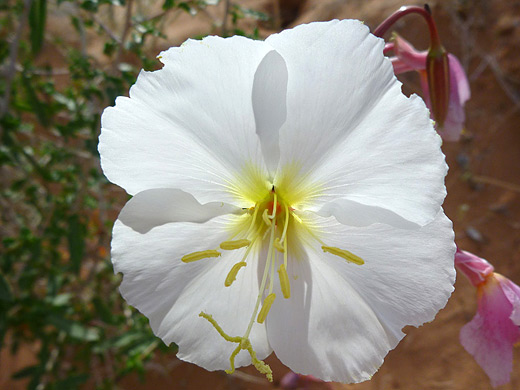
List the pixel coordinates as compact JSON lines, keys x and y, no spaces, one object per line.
{"x":349,"y":128}
{"x":342,"y":318}
{"x":189,"y":125}
{"x":172,"y":294}
{"x":325,"y":329}
{"x":269,"y":105}
{"x":151,"y":208}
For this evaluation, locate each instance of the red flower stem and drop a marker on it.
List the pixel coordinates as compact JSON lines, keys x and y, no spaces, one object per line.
{"x":406,"y":10}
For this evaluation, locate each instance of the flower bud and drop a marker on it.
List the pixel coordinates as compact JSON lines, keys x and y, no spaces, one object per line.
{"x":438,"y":73}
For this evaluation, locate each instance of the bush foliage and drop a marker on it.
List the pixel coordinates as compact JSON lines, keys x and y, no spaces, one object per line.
{"x":58,"y":292}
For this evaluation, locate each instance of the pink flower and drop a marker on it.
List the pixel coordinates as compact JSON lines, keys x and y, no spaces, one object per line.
{"x":407,"y":59}
{"x":495,"y":329}
{"x":293,"y":381}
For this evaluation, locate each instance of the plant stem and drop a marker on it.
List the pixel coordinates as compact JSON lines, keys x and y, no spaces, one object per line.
{"x":406,"y":10}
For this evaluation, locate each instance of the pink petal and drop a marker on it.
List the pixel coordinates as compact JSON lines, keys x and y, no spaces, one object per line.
{"x":473,"y":267}
{"x":458,"y":74}
{"x":412,"y":57}
{"x":512,"y":292}
{"x":459,"y":94}
{"x":491,"y":334}
{"x":292,"y":381}
{"x":400,"y":66}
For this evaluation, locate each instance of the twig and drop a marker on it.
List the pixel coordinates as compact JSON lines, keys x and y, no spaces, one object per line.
{"x":45,"y":72}
{"x":150,"y":18}
{"x":225,"y":18}
{"x":248,"y":377}
{"x":126,"y":30}
{"x":487,"y":60}
{"x":496,"y":182}
{"x":106,"y":29}
{"x":82,"y":32}
{"x":499,"y":75}
{"x":277,"y":15}
{"x":13,"y":55}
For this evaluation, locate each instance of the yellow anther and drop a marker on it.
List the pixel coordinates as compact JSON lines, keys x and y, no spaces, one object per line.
{"x":284,"y":281}
{"x":278,"y":246}
{"x":349,"y":256}
{"x":200,"y":255}
{"x":268,"y":301}
{"x":265,"y":217}
{"x":232,"y":275}
{"x":235,"y":244}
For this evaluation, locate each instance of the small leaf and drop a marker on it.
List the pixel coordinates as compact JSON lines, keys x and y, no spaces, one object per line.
{"x":37,"y":16}
{"x":168,"y":4}
{"x":76,"y":239}
{"x":26,"y":372}
{"x":74,"y":329}
{"x":72,"y":382}
{"x":5,"y":290}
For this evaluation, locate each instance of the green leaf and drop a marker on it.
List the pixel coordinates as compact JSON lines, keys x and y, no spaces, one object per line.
{"x":185,"y":7}
{"x":26,"y":372}
{"x":35,"y":104}
{"x":168,"y":4}
{"x":76,"y":239}
{"x":73,"y":329}
{"x":257,"y":15}
{"x":72,"y":382}
{"x":103,"y":311}
{"x":37,"y":16}
{"x":5,"y":290}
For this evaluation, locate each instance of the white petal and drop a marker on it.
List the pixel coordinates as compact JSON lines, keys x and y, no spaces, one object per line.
{"x":151,"y":208}
{"x":325,"y":328}
{"x":269,"y":105}
{"x":189,"y":125}
{"x":172,"y":294}
{"x":353,"y":213}
{"x":342,"y":318}
{"x":349,"y":128}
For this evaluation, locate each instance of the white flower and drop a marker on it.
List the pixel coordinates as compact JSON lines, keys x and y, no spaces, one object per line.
{"x":305,"y":184}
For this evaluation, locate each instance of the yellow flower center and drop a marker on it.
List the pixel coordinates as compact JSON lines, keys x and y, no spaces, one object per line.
{"x":273,"y":220}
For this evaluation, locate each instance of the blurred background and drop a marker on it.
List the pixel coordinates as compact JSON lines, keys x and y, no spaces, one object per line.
{"x":63,"y":324}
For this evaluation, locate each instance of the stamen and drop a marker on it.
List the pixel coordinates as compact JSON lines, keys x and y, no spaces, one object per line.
{"x":285,"y":253}
{"x":286,"y":223}
{"x":234,"y":244}
{"x":284,"y":281}
{"x":296,"y":217}
{"x":275,"y":205}
{"x":262,"y":285}
{"x":278,"y":246}
{"x":271,"y":279}
{"x":189,"y":258}
{"x":268,"y":301}
{"x":253,"y":220}
{"x":232,"y":275}
{"x":265,"y":217}
{"x":349,"y":256}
